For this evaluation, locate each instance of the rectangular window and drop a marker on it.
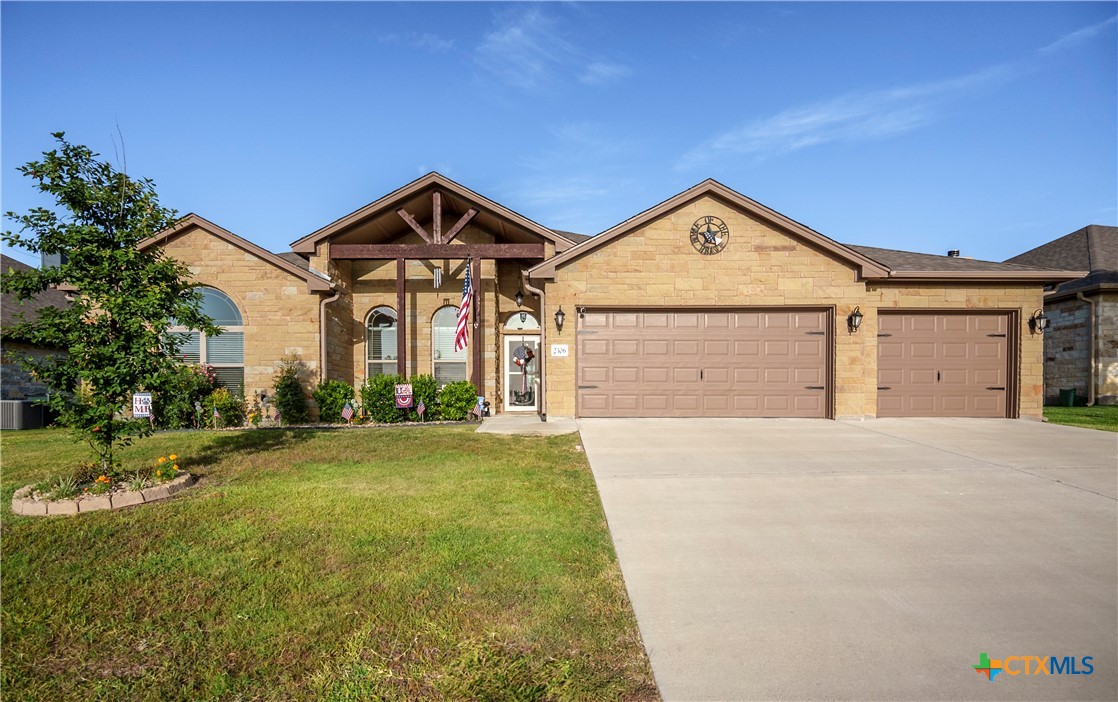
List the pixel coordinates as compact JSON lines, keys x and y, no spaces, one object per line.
{"x":449,"y":365}
{"x":190,"y":348}
{"x":227,"y":348}
{"x":232,"y":379}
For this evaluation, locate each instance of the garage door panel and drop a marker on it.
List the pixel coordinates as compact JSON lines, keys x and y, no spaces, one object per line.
{"x":626,"y":375}
{"x":704,"y":363}
{"x":593,"y":374}
{"x":626,"y":347}
{"x":750,"y":348}
{"x":720,"y":376}
{"x":941,"y":364}
{"x":685,"y":347}
{"x":655,"y":375}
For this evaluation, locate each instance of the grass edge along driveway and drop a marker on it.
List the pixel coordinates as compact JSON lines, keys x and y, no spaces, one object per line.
{"x":390,"y":564}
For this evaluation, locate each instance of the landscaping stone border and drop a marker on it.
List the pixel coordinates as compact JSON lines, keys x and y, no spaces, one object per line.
{"x":23,"y":503}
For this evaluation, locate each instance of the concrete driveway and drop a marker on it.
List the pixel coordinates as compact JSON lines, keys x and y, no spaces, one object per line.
{"x":806,"y":559}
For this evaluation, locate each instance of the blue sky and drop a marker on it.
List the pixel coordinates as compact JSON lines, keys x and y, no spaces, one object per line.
{"x":987,"y":127}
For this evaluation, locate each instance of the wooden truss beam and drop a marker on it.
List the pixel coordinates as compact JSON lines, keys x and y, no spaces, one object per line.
{"x":459,"y":226}
{"x":414,"y":225}
{"x":435,"y":251}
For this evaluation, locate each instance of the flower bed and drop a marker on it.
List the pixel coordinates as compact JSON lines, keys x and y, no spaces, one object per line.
{"x":80,"y":491}
{"x":30,"y":502}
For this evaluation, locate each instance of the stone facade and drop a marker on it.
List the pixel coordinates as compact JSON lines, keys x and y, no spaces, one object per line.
{"x":652,"y":265}
{"x":1106,"y":344}
{"x":15,"y":382}
{"x":280,"y":315}
{"x":1068,"y":344}
{"x":656,"y":265}
{"x":1067,"y":348}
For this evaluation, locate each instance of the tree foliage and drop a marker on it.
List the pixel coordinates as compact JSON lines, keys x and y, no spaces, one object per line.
{"x":124,"y":298}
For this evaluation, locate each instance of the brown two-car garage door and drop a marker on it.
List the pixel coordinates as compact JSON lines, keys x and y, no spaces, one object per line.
{"x":943,"y":365}
{"x":740,"y":363}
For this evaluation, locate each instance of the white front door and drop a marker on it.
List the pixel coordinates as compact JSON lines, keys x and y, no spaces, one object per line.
{"x":522,"y":373}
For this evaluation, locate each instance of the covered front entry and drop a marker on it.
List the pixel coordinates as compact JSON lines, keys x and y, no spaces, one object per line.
{"x":704,"y":363}
{"x":943,"y":364}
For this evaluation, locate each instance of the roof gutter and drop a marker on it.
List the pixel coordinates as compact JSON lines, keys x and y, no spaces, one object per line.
{"x":1091,"y":347}
{"x":991,"y":276}
{"x":543,"y":341}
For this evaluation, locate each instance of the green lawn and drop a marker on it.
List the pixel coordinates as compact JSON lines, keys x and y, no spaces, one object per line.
{"x":394,"y":564}
{"x":1103,"y":417}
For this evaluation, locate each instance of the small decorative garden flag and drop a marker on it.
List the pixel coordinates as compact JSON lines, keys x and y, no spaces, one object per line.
{"x":347,"y":411}
{"x":421,"y":409}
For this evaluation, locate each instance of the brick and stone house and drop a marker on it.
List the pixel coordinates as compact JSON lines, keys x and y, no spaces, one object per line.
{"x":708,"y":304}
{"x":1081,"y":341}
{"x":15,"y":382}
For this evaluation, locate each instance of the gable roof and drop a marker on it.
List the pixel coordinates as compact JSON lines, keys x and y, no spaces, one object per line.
{"x":432,"y":180}
{"x":866,"y":266}
{"x":1093,"y":249}
{"x":314,"y":281}
{"x":872,"y":263}
{"x":13,"y":311}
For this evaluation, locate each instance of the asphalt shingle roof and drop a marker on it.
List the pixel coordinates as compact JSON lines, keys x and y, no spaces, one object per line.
{"x":11,"y":310}
{"x":912,"y":261}
{"x":1093,"y":248}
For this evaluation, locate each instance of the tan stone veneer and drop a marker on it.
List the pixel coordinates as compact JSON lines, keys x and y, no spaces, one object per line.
{"x":764,"y":266}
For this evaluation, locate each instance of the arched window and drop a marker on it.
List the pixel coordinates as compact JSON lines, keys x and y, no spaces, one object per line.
{"x":522,"y":322}
{"x":449,"y":365}
{"x":225,"y":352}
{"x":380,"y":342}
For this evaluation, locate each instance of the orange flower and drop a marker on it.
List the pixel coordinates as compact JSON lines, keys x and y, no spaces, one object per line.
{"x":176,"y":466}
{"x":162,"y":459}
{"x":172,"y":457}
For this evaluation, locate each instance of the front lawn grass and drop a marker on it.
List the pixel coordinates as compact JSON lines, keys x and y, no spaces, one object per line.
{"x":386,"y":564}
{"x":1103,"y":417}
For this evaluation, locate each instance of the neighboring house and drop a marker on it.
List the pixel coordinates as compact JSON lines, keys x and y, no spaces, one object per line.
{"x":1081,"y":342}
{"x":706,"y":305}
{"x":15,"y":382}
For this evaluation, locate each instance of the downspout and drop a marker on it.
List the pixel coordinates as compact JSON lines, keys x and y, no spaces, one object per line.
{"x":1091,"y":347}
{"x":322,"y":335}
{"x":543,"y":341}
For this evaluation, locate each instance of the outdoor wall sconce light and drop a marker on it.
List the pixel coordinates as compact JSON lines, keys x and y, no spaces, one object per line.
{"x":854,"y":320}
{"x":1038,"y":322}
{"x":519,"y":300}
{"x":559,"y":317}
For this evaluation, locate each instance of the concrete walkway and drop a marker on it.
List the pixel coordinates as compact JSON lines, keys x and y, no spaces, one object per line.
{"x":527,"y":424}
{"x":809,"y":559}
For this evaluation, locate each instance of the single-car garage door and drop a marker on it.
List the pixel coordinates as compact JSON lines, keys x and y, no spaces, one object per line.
{"x":942,"y":365}
{"x":739,"y":363}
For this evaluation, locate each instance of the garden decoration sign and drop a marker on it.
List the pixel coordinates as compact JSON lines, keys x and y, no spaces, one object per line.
{"x":141,"y":404}
{"x":403,"y":396}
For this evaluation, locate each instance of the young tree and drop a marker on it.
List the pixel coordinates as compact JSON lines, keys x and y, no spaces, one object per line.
{"x":124,"y":298}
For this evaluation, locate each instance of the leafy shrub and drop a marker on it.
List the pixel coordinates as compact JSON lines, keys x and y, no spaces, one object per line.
{"x":289,"y":400}
{"x":425,"y":388}
{"x":229,"y":406}
{"x":378,"y":397}
{"x":457,"y":399}
{"x":331,"y":397}
{"x":173,"y":400}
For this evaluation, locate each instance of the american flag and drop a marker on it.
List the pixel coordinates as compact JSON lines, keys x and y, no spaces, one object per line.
{"x":421,"y":408}
{"x":462,"y":330}
{"x":347,"y":411}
